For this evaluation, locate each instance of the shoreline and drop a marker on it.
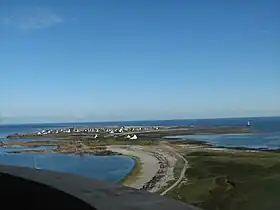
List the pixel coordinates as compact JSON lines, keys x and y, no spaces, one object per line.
{"x":135,"y":171}
{"x":154,"y":161}
{"x":153,"y":169}
{"x":154,"y":165}
{"x":148,"y":164}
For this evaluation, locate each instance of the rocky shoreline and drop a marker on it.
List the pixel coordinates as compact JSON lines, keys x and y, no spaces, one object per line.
{"x":157,"y":165}
{"x":163,"y":175}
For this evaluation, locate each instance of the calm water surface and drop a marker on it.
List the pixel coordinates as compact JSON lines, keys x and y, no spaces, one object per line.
{"x":106,"y":168}
{"x":266,"y":134}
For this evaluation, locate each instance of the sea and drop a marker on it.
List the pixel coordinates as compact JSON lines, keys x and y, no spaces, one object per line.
{"x":266,"y":134}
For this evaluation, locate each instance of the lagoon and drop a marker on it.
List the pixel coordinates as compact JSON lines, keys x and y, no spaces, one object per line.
{"x":108,"y":168}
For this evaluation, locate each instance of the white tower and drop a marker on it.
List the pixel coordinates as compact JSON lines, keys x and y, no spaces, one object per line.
{"x":248,"y":123}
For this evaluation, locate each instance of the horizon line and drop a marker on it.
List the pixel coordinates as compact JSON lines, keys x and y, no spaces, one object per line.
{"x":127,"y":121}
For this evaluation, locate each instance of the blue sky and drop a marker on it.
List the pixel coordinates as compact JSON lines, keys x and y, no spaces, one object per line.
{"x":137,"y":60}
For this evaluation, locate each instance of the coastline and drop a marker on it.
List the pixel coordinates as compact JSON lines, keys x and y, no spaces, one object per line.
{"x":155,"y":157}
{"x":154,"y":166}
{"x":134,"y":173}
{"x":229,"y":173}
{"x":148,"y":165}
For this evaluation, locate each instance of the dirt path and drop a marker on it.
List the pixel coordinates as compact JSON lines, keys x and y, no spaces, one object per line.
{"x":182,"y":174}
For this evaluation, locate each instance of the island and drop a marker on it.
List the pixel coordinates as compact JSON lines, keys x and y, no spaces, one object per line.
{"x":196,"y":172}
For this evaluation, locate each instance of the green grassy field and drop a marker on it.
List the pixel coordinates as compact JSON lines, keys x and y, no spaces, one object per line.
{"x":231,"y":181}
{"x":120,"y":141}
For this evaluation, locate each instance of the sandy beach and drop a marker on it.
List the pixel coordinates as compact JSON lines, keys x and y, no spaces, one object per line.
{"x":157,"y":165}
{"x":149,"y":164}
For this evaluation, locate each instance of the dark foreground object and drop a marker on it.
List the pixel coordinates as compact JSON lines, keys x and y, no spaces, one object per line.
{"x":39,"y":189}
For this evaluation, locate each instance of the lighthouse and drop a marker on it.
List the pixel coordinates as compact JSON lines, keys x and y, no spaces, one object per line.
{"x":248,"y":124}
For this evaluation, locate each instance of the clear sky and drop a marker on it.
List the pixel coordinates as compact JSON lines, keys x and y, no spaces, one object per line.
{"x":136,"y":60}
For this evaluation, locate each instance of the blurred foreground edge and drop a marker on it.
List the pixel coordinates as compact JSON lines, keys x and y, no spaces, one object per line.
{"x":35,"y":189}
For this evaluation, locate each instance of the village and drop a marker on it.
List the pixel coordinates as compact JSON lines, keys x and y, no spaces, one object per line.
{"x":128,"y":132}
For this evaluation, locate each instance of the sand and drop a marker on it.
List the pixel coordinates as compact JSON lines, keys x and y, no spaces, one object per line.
{"x":156,"y":161}
{"x":149,"y":163}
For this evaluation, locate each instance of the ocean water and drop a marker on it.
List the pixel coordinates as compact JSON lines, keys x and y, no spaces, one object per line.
{"x":115,"y":168}
{"x":107,"y":168}
{"x":256,"y":141}
{"x":266,"y":133}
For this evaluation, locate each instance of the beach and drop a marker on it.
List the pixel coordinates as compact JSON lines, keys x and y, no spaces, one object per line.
{"x":190,"y":168}
{"x":156,"y":165}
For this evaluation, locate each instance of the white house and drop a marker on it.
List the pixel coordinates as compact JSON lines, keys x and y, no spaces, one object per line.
{"x":128,"y":137}
{"x":134,"y":137}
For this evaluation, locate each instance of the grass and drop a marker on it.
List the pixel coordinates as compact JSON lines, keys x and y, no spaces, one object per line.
{"x":228,"y":181}
{"x":134,"y":173}
{"x":178,"y":168}
{"x":114,"y":141}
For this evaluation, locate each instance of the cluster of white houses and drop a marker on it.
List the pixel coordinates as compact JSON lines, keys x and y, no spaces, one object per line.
{"x":99,"y":131}
{"x":122,"y":129}
{"x":133,"y":137}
